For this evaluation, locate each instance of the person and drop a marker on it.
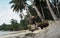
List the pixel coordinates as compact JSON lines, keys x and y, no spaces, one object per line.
{"x":33,"y":20}
{"x":32,"y":25}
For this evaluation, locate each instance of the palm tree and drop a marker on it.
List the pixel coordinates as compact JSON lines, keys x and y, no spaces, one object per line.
{"x":56,"y":6}
{"x":36,"y":9}
{"x":51,"y":11}
{"x":41,"y":5}
{"x":27,"y":9}
{"x":17,"y":5}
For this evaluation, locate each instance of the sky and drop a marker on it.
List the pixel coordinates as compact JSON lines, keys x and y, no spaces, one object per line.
{"x":6,"y":13}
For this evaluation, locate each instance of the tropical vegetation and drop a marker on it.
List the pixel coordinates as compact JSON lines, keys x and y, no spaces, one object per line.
{"x":14,"y":26}
{"x":41,"y":9}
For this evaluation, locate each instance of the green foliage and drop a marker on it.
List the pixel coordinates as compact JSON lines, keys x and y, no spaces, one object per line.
{"x":42,"y":4}
{"x":17,"y":5}
{"x":14,"y":26}
{"x":32,"y":11}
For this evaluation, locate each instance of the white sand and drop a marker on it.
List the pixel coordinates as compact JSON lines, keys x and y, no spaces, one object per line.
{"x":53,"y":31}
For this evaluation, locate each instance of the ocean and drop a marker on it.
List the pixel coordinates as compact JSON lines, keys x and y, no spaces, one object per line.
{"x":4,"y":32}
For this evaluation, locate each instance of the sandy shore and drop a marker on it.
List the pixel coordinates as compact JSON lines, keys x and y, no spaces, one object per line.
{"x":52,"y":31}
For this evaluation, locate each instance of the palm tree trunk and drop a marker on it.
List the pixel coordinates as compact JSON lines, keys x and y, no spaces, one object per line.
{"x":27,"y":8}
{"x":25,"y":17}
{"x":42,"y":12}
{"x":36,"y":9}
{"x":57,"y":7}
{"x":28,"y":11}
{"x":51,"y":11}
{"x":38,"y":12}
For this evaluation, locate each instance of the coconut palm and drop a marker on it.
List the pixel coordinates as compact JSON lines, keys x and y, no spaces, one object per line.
{"x":27,"y":9}
{"x":17,"y":5}
{"x":36,"y":9}
{"x":42,"y":5}
{"x":56,"y":6}
{"x":51,"y":11}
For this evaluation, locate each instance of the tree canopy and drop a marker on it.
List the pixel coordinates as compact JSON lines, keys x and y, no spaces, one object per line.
{"x":41,"y":9}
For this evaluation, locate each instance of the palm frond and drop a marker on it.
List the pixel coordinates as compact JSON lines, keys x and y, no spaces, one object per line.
{"x":17,"y":5}
{"x":12,"y":6}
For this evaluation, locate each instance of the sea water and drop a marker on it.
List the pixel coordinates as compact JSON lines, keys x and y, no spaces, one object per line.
{"x":4,"y":32}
